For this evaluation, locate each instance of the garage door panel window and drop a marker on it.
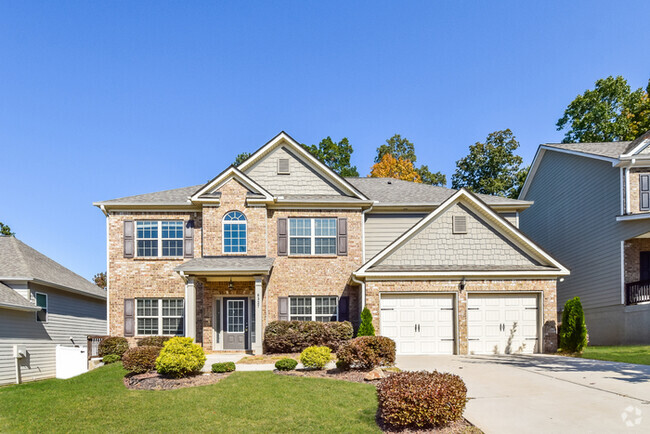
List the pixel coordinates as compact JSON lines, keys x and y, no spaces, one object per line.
{"x":313,"y":308}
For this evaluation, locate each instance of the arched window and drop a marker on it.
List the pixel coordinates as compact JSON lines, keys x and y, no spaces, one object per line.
{"x":234,"y":232}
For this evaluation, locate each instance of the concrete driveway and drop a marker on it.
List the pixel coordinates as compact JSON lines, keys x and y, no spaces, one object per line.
{"x":540,"y":393}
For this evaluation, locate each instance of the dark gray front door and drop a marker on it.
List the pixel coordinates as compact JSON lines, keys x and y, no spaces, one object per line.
{"x":235,"y":323}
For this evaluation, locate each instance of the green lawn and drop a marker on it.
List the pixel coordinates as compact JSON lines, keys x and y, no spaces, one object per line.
{"x":629,"y":354}
{"x":243,"y":402}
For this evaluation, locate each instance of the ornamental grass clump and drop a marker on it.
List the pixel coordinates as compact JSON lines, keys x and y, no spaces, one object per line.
{"x":421,"y":400}
{"x":315,"y":357}
{"x":140,"y":359}
{"x":573,"y":331}
{"x":180,"y":357}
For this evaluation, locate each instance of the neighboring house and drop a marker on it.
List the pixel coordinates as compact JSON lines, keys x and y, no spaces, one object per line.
{"x":592,"y":212}
{"x":42,"y":304}
{"x":282,"y":237}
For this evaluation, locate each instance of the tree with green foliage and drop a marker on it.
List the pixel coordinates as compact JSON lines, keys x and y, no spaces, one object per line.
{"x":492,"y":167}
{"x":573,"y":331}
{"x":401,"y":148}
{"x":6,"y":230}
{"x":610,"y":112}
{"x":335,"y":155}
{"x":366,"y":328}
{"x":241,"y":158}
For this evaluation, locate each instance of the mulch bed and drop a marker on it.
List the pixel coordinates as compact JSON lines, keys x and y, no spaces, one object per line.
{"x":155,"y":381}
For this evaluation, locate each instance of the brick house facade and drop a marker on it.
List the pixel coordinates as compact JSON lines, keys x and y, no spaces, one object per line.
{"x":283,"y":237}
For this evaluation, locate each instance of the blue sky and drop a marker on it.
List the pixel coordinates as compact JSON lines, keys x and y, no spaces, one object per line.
{"x":99,"y":101}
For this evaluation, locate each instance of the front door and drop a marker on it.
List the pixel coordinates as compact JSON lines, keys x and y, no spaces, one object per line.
{"x":644,"y":266}
{"x":235,"y":324}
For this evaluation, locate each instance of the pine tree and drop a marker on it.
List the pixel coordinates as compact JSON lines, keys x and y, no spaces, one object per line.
{"x":573,"y":332}
{"x":366,"y":328}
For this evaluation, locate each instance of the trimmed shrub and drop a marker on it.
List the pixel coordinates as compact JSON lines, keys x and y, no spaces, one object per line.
{"x":421,"y":399}
{"x":110,"y":358}
{"x":366,"y":328}
{"x":180,"y":357}
{"x":223,"y":367}
{"x":295,"y":336}
{"x":286,"y":364}
{"x":366,"y":352}
{"x":140,"y":359}
{"x":315,"y":357}
{"x":153,"y":341}
{"x":573,"y":331}
{"x":113,"y":345}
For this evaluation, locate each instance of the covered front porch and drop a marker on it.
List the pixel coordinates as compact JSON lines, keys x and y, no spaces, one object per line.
{"x":224,"y":301}
{"x":637,"y":269}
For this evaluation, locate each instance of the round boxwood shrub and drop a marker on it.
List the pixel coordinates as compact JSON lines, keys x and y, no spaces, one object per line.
{"x":180,"y":357}
{"x":140,"y":359}
{"x":421,"y":399}
{"x":223,"y":367}
{"x":113,"y":345}
{"x":295,"y":336}
{"x":110,"y":358}
{"x":573,"y":331}
{"x":153,"y":341}
{"x":366,"y":352}
{"x":286,"y":364}
{"x":315,"y":357}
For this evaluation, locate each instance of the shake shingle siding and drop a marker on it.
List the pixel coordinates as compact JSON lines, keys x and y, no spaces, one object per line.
{"x":577,"y":200}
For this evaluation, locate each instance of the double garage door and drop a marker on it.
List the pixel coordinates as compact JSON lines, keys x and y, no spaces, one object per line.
{"x":425,"y":323}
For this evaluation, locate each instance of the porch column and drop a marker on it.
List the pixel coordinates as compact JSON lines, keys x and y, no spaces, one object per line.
{"x":190,"y":309}
{"x":257,"y":346}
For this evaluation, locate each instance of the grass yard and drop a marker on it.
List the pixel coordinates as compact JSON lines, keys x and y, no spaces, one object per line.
{"x":639,"y":354}
{"x":243,"y":402}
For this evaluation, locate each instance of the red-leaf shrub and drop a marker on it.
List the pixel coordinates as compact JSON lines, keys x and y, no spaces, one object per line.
{"x":153,"y":341}
{"x":421,"y":399}
{"x":140,"y":359}
{"x":113,"y":345}
{"x":366,"y":352}
{"x":295,"y":336}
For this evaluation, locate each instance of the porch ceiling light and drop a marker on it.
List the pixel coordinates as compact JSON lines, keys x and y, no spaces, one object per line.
{"x":230,"y":285}
{"x":462,"y":283}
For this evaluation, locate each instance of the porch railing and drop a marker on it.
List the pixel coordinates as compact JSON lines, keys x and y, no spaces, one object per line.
{"x":637,"y":292}
{"x":93,"y":345}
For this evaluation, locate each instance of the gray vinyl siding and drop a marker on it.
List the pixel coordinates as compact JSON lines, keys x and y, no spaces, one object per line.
{"x":383,"y":229}
{"x":69,"y":315}
{"x":577,"y":200}
{"x":302,"y":179}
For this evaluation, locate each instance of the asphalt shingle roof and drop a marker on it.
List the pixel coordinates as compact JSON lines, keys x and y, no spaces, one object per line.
{"x":227,"y":263}
{"x":603,"y":149}
{"x":177,"y":196}
{"x":19,"y":261}
{"x":9,"y":297}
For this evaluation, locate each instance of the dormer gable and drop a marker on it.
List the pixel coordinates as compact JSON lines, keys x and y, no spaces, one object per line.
{"x":210,"y":193}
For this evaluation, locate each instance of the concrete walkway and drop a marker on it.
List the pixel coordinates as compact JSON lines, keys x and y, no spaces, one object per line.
{"x":515,"y":394}
{"x":243,"y":367}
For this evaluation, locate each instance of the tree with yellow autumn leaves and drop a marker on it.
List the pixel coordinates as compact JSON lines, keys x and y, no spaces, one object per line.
{"x":398,"y":168}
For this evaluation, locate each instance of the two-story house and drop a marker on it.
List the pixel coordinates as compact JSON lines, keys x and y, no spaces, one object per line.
{"x":283,"y":237}
{"x":592,"y":212}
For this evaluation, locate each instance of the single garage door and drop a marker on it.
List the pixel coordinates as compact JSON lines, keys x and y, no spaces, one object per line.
{"x":419,"y":324}
{"x":502,"y":324}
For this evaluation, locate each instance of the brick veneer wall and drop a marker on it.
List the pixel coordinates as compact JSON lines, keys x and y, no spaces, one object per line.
{"x":632,"y":252}
{"x":635,"y":201}
{"x":546,"y":287}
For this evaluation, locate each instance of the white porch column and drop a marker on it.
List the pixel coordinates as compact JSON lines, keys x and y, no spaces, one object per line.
{"x":190,"y":309}
{"x":257,"y":346}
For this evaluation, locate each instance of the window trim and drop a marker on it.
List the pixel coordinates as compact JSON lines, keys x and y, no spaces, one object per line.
{"x":47,"y":309}
{"x":312,"y":236}
{"x":223,"y":232}
{"x":159,"y":239}
{"x":313,"y":306}
{"x":159,"y":316}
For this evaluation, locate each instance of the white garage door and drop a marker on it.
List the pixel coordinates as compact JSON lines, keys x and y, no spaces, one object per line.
{"x":502,"y":324}
{"x":419,"y":324}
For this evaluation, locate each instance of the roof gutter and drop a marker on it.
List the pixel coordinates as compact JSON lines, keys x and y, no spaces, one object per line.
{"x":19,"y":307}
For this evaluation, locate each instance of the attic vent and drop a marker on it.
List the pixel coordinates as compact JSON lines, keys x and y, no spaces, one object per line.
{"x":283,"y":166}
{"x":459,"y":224}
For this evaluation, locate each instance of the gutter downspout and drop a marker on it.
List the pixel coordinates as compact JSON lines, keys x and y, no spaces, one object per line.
{"x":363,"y":290}
{"x":627,"y":191}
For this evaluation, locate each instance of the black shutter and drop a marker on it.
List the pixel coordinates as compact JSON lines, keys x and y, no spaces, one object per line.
{"x":342,"y":237}
{"x":128,"y":239}
{"x":188,"y":239}
{"x":344,"y":308}
{"x":282,"y":237}
{"x":644,"y":188}
{"x":129,"y":317}
{"x":283,"y":308}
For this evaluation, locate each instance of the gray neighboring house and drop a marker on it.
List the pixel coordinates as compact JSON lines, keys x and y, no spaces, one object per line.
{"x":42,"y":304}
{"x":592,"y":212}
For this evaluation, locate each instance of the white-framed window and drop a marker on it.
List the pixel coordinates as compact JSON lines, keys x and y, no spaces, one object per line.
{"x":41,"y":301}
{"x":159,"y":316}
{"x":159,"y":238}
{"x":315,"y":308}
{"x":312,"y":236}
{"x":234,"y":232}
